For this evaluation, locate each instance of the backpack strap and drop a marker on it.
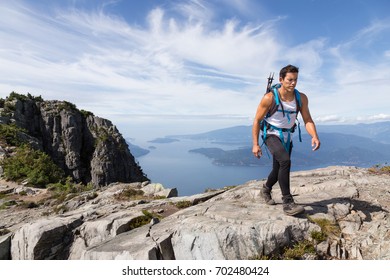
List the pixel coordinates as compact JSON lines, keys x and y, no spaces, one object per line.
{"x":276,"y":93}
{"x":276,"y":102}
{"x":275,"y":107}
{"x":298,"y":100}
{"x":299,"y":106}
{"x":286,"y":144}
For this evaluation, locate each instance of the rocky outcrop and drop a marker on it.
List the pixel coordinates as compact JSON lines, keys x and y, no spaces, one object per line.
{"x":224,"y":224}
{"x":88,"y":148}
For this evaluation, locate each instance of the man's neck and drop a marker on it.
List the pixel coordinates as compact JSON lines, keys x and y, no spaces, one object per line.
{"x":286,"y":95}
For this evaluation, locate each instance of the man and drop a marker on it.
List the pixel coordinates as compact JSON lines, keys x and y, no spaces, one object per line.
{"x":279,"y":126}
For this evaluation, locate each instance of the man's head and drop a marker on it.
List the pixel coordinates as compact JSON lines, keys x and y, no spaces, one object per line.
{"x":288,"y":77}
{"x":288,"y":69}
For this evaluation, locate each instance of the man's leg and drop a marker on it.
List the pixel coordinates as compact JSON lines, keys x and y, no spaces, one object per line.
{"x":281,"y":164}
{"x":265,"y":192}
{"x":273,"y":175}
{"x":283,"y":158}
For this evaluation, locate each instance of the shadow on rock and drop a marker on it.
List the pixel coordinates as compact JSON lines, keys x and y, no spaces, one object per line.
{"x":325,"y":206}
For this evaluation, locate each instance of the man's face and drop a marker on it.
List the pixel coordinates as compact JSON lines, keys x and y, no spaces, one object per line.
{"x":290,"y":81}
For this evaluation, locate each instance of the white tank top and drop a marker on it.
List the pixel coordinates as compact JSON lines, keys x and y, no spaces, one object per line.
{"x":287,"y":121}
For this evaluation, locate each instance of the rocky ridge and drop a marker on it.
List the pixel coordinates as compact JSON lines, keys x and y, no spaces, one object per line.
{"x":88,"y":148}
{"x":222,"y":224}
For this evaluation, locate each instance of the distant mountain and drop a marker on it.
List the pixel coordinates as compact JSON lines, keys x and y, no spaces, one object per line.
{"x":335,"y":150}
{"x":231,"y":135}
{"x":135,"y":150}
{"x":342,"y":149}
{"x":348,"y":148}
{"x":165,"y":140}
{"x":378,"y":132}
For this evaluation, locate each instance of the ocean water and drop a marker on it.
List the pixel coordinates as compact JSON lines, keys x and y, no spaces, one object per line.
{"x":173,"y":166}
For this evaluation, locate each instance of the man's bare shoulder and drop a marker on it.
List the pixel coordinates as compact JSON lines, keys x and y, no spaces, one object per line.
{"x":267,"y":98}
{"x":303,"y":96}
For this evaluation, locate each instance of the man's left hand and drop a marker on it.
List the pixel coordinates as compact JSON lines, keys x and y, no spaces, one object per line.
{"x":315,"y":143}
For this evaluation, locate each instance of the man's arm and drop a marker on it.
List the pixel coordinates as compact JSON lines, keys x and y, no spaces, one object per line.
{"x":262,"y":110}
{"x":309,"y":123}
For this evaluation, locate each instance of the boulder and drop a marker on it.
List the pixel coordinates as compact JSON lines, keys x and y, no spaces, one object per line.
{"x":44,"y":239}
{"x":158,"y":190}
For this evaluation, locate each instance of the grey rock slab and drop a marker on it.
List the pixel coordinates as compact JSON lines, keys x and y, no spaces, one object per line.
{"x":44,"y":239}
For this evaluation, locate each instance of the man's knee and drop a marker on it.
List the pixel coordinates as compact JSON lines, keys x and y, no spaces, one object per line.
{"x":285,"y":163}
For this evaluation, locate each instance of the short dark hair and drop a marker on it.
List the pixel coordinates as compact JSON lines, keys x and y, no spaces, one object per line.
{"x":288,"y":69}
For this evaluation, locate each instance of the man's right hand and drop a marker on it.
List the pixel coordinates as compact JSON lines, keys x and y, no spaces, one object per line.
{"x":257,"y":152}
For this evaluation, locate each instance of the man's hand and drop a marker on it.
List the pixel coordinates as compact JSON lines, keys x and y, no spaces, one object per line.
{"x":256,"y":150}
{"x":315,"y":143}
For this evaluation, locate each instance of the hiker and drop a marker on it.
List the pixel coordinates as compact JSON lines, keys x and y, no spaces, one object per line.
{"x":277,"y":129}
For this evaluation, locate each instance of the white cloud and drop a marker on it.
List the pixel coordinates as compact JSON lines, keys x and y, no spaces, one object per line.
{"x":334,"y":119}
{"x":195,"y":10}
{"x":184,"y":65}
{"x":368,"y":35}
{"x":328,"y":118}
{"x":151,"y":68}
{"x":374,"y":118}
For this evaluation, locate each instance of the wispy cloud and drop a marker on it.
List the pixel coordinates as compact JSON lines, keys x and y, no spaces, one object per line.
{"x":149,"y":67}
{"x":194,"y":11}
{"x":182,"y":62}
{"x":334,"y":119}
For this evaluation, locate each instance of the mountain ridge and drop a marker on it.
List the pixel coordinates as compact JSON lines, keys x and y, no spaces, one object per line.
{"x":241,"y":133}
{"x":87,"y":148}
{"x":337,"y":148}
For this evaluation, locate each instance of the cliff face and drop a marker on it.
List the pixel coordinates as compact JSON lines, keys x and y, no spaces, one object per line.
{"x":86,"y":147}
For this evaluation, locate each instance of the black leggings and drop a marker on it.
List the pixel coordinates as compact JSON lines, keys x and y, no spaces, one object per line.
{"x":281,"y":164}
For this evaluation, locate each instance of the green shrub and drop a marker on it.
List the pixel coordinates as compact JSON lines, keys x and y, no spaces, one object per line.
{"x":9,"y":133}
{"x":143,"y":220}
{"x":298,"y":251}
{"x":63,"y":190}
{"x":318,"y":236}
{"x":385,"y":169}
{"x":378,"y":169}
{"x":85,"y":113}
{"x":8,"y":203}
{"x":328,"y":228}
{"x":67,"y":106}
{"x":16,"y":96}
{"x":183,"y":204}
{"x":130,"y":193}
{"x":32,"y":165}
{"x":139,"y":222}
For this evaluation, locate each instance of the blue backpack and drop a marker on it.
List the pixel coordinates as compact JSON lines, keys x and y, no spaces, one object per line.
{"x":277,"y":106}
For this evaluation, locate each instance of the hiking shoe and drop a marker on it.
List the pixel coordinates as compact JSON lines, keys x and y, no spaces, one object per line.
{"x":265,"y":194}
{"x":290,"y":208}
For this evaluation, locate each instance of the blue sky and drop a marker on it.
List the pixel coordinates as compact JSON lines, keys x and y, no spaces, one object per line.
{"x":172,"y":67}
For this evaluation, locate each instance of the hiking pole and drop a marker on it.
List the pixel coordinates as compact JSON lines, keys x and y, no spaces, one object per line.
{"x":270,"y":80}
